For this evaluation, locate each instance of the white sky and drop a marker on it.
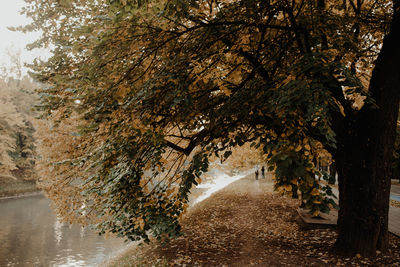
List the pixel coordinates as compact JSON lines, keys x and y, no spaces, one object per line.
{"x":15,"y":41}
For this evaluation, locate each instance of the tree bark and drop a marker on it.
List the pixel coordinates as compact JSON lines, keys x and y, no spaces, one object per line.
{"x":364,"y":155}
{"x":332,"y":173}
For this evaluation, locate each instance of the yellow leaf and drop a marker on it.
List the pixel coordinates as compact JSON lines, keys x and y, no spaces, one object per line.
{"x":316,"y":213}
{"x":139,"y":223}
{"x":307,"y":147}
{"x":340,"y":107}
{"x":288,"y":187}
{"x":227,"y":92}
{"x":298,"y":148}
{"x":315,"y":192}
{"x":170,"y":191}
{"x":142,"y":182}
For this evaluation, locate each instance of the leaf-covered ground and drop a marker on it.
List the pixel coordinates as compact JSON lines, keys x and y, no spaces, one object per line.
{"x":395,"y":203}
{"x":246,"y":224}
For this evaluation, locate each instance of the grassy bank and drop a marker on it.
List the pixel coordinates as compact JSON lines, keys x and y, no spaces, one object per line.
{"x":246,"y":224}
{"x":11,"y":187}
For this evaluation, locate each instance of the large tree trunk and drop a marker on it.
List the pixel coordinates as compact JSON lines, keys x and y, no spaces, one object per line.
{"x":364,"y":156}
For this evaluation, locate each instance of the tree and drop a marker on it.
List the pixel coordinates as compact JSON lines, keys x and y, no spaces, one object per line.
{"x":23,"y":153}
{"x":16,"y":63}
{"x":17,"y":133}
{"x":159,"y":86}
{"x":368,"y":139}
{"x":13,"y":70}
{"x":396,"y":160}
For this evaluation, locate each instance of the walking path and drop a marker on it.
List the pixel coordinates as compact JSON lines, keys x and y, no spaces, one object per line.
{"x":394,"y":220}
{"x":395,"y":192}
{"x":394,"y":214}
{"x":247,"y":224}
{"x":395,"y":189}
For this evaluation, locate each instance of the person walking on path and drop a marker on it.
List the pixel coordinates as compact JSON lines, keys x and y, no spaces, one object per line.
{"x":263,"y":172}
{"x":256,"y":174}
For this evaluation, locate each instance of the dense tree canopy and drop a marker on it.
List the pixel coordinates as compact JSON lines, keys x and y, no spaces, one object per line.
{"x":147,"y":91}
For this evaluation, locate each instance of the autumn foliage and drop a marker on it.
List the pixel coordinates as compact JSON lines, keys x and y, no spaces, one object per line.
{"x":142,"y":93}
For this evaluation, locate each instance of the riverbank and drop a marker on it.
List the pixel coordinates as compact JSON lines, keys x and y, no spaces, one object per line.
{"x":13,"y":188}
{"x":246,"y":224}
{"x":21,"y":195}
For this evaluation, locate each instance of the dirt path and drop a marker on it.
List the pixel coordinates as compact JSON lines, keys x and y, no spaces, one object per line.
{"x":246,"y":224}
{"x":249,"y":219}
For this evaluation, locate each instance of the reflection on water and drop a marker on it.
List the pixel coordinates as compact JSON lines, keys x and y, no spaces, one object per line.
{"x":31,"y":235}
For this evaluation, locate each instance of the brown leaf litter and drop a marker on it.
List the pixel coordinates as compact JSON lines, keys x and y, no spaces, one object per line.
{"x":246,"y":224}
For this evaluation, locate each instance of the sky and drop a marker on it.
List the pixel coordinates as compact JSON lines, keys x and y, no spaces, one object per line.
{"x":14,"y":41}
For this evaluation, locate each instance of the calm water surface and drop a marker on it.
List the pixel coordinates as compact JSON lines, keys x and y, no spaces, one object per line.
{"x":31,"y":235}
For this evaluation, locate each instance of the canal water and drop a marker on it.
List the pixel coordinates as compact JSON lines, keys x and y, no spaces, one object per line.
{"x":31,"y":235}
